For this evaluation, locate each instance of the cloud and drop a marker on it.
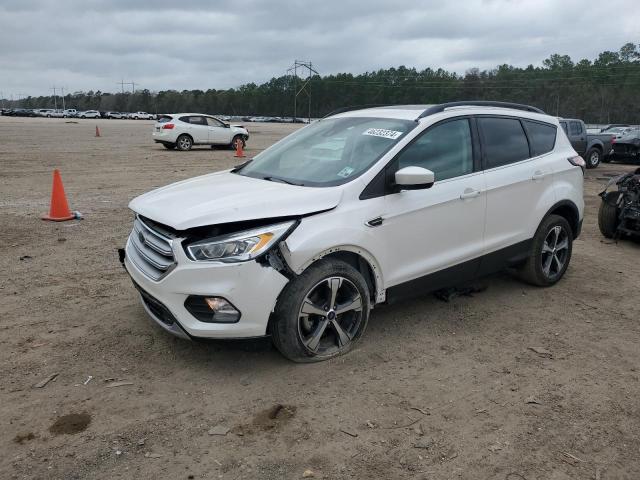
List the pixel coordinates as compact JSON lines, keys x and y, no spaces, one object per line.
{"x":170,"y":44}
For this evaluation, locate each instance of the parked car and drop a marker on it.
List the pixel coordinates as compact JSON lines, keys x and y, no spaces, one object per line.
{"x":593,"y":147}
{"x":613,"y":125}
{"x":44,"y":112}
{"x":301,"y":247}
{"x":69,"y":112}
{"x":183,"y":130}
{"x":114,"y":115}
{"x":142,"y":116}
{"x":89,"y":114}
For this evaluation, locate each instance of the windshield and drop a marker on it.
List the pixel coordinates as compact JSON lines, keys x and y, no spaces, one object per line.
{"x":328,"y":152}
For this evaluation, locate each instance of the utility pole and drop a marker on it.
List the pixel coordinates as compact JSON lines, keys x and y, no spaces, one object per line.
{"x":55,"y":98}
{"x":63,"y":107}
{"x":306,"y":69}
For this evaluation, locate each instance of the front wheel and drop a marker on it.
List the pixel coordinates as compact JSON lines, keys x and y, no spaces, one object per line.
{"x":184,"y":143}
{"x":238,"y":139}
{"x":550,"y":252}
{"x":593,"y":158}
{"x":322,"y":313}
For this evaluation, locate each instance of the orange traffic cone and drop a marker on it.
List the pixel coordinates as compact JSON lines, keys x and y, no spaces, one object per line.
{"x":97,"y":131}
{"x":59,"y":210}
{"x":239,"y":152}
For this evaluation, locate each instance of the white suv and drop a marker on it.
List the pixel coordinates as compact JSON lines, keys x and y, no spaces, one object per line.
{"x":359,"y":208}
{"x":184,"y":130}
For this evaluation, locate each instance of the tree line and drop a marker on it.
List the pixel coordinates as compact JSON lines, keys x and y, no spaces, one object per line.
{"x":603,"y":90}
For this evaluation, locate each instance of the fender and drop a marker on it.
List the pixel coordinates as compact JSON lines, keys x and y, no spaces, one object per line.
{"x":565,"y":206}
{"x":362,"y":252}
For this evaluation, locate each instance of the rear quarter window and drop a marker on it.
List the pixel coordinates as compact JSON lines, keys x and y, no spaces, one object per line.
{"x":164,"y":119}
{"x":542,"y":136}
{"x":503,"y":141}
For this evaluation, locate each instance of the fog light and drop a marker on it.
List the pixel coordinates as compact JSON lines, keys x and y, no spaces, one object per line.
{"x":212,"y":309}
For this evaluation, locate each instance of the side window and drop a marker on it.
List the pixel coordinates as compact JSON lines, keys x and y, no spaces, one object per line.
{"x":575,"y":128}
{"x":503,"y":141}
{"x":198,"y":121}
{"x":213,"y":122}
{"x":542,"y":137}
{"x":445,"y":149}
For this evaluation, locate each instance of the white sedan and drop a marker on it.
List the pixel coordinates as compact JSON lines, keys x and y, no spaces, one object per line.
{"x":184,"y":130}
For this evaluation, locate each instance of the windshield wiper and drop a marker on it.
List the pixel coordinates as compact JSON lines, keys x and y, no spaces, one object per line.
{"x":282,"y":180}
{"x":239,"y":167}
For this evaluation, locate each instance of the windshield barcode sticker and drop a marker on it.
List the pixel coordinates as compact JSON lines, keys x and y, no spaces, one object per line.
{"x":381,"y":132}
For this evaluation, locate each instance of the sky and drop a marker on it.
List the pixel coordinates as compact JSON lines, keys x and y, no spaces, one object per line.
{"x":84,"y":45}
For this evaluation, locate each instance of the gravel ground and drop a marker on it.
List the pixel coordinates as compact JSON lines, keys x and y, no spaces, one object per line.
{"x":434,"y":391}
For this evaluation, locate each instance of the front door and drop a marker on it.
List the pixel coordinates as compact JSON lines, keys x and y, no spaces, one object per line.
{"x":199,"y":129}
{"x":438,"y":230}
{"x":218,"y":133}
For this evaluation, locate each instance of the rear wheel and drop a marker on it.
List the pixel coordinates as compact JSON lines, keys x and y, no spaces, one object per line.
{"x":608,"y":218}
{"x":322,"y":313}
{"x":169,"y":146}
{"x":593,"y":158}
{"x":184,"y":142}
{"x":550,"y":252}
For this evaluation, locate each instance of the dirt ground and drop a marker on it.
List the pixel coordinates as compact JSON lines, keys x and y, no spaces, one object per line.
{"x":434,"y":391}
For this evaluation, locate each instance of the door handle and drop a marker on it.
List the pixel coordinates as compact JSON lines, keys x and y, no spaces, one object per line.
{"x":469,"y":193}
{"x":375,"y":222}
{"x":538,"y":175}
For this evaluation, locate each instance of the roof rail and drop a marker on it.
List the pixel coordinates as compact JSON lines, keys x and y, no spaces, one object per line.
{"x":478,"y":103}
{"x":355,"y":107}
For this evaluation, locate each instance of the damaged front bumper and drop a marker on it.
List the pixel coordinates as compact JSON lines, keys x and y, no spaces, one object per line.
{"x":252,"y":287}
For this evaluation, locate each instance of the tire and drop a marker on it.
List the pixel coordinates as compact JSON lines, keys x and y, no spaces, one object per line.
{"x":184,"y":142}
{"x":320,"y":332}
{"x":169,"y":146}
{"x":236,"y":139}
{"x":593,"y":157}
{"x":82,"y":116}
{"x":608,"y":218}
{"x":547,"y":261}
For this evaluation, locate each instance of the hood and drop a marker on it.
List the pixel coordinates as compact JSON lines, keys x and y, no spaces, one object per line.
{"x":226,"y":197}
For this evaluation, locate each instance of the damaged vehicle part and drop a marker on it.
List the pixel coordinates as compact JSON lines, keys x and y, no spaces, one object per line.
{"x":619,"y":212}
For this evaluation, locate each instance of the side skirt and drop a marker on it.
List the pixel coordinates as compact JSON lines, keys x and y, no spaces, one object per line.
{"x":462,"y":273}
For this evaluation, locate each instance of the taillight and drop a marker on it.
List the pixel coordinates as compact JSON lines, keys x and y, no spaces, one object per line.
{"x":613,"y":139}
{"x":168,"y":126}
{"x":578,"y":161}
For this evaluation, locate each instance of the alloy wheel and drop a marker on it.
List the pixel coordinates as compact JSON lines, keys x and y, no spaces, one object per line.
{"x":594,"y":158}
{"x":184,"y":143}
{"x":330,"y":316}
{"x":555,"y":250}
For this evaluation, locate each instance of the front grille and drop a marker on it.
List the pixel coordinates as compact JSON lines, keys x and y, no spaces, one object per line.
{"x":151,"y":250}
{"x":156,"y":307}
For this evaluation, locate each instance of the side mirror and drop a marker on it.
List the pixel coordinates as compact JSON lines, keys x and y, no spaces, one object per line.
{"x":414,"y":178}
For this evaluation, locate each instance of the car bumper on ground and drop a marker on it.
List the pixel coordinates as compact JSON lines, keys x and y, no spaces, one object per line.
{"x":251,"y":287}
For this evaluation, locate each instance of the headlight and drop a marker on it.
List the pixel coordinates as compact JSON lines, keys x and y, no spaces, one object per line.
{"x":238,"y":247}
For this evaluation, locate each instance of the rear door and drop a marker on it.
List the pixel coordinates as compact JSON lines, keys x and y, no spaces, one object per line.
{"x":577,"y":135}
{"x":218,"y":133}
{"x":198,"y":128}
{"x":519,"y":179}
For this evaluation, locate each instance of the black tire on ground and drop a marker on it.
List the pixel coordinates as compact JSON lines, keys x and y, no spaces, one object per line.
{"x":608,"y":158}
{"x":169,"y":146}
{"x":593,"y":157}
{"x":543,"y":251}
{"x":236,"y":139}
{"x":290,"y":324}
{"x":608,"y":218}
{"x":184,"y":142}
